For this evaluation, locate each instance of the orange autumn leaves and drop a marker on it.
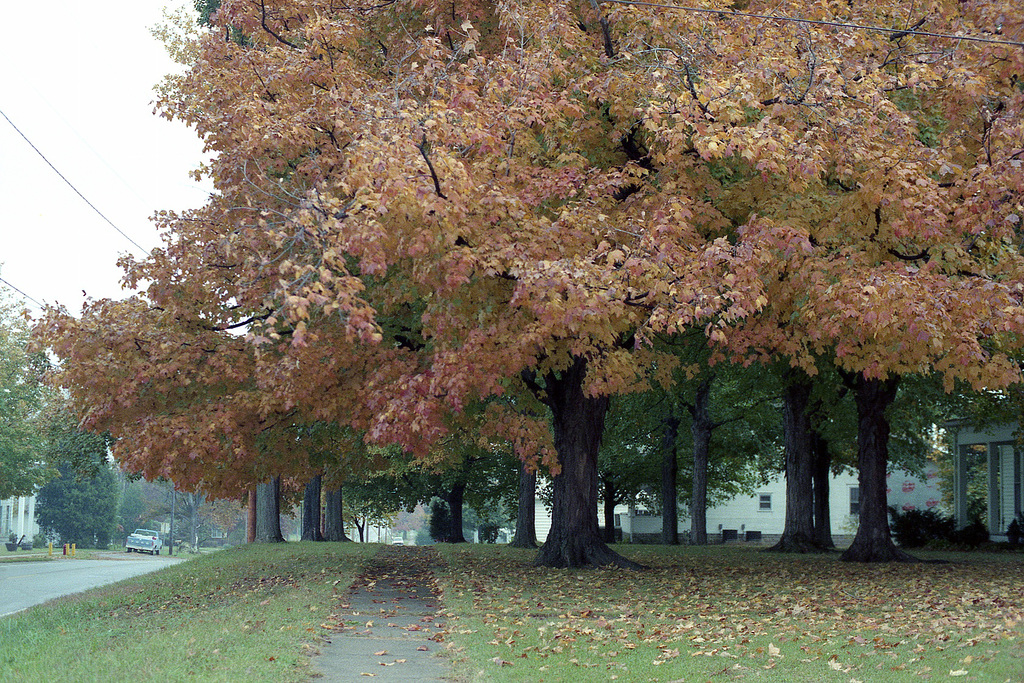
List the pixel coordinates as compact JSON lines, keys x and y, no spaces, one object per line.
{"x":417,"y":201}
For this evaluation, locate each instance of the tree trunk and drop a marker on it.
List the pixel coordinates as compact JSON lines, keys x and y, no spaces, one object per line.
{"x":250,"y":517}
{"x":334,"y":524}
{"x":873,"y":542}
{"x":610,"y":494}
{"x":669,"y":477}
{"x":577,"y":423}
{"x":822,"y":462}
{"x":798,"y":534}
{"x":526,"y":519}
{"x":311,"y":510}
{"x":268,"y":512}
{"x":454,"y":499}
{"x":701,"y":429}
{"x":361,"y":528}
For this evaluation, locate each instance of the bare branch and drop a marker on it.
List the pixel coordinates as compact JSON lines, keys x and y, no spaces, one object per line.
{"x":422,"y":147}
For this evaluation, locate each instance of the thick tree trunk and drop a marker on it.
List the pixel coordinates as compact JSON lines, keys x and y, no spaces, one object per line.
{"x":311,"y":510}
{"x":250,"y":517}
{"x":268,"y":512}
{"x":822,"y":462}
{"x":577,"y":423}
{"x":334,"y":523}
{"x":701,"y":429}
{"x":873,"y":542}
{"x":798,"y":534}
{"x":669,"y":477}
{"x":454,"y":499}
{"x":526,"y":519}
{"x":610,"y":494}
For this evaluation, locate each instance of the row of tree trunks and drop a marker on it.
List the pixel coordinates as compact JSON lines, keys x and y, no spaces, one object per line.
{"x":264,"y":513}
{"x":578,"y":420}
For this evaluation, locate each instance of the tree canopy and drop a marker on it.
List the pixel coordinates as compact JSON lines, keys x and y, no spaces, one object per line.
{"x":422,"y":204}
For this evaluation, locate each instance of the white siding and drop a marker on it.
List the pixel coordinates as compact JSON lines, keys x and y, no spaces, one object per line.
{"x":17,"y":516}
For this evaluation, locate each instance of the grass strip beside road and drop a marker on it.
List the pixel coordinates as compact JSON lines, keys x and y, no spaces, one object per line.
{"x":250,"y":613}
{"x":734,"y":614}
{"x":699,"y":614}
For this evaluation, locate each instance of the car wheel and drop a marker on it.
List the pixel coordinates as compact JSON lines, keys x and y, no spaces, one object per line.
{"x":156,"y":552}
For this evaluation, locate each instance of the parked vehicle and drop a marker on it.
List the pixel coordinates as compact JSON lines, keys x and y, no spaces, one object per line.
{"x":144,"y":541}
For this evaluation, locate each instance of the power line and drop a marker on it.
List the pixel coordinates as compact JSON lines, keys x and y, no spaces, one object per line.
{"x":21,"y":292}
{"x":91,"y":205}
{"x":817,"y":22}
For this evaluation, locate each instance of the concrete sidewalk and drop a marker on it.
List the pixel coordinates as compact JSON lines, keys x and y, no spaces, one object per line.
{"x":388,"y":623}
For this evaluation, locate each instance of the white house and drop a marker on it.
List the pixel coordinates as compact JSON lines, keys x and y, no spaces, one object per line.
{"x":987,"y":459}
{"x":762,"y":516}
{"x":18,"y":516}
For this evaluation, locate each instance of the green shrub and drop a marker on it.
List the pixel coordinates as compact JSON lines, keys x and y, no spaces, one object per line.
{"x":972,"y":535}
{"x":440,"y":520}
{"x":1013,"y":532}
{"x":488,"y":533}
{"x":917,"y":528}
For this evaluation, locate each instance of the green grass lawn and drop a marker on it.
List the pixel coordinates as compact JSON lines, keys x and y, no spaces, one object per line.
{"x":699,"y":614}
{"x":724,"y":613}
{"x":251,"y":613}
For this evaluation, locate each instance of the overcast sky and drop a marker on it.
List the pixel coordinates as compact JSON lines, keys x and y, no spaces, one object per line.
{"x":77,"y":79}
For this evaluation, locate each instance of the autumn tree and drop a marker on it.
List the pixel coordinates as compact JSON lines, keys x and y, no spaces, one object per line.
{"x":893,"y":214}
{"x":422,"y":205}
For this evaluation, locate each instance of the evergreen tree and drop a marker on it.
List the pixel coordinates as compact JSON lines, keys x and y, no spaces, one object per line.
{"x":77,"y":508}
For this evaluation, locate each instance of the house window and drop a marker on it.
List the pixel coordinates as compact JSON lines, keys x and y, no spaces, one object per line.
{"x":854,"y":500}
{"x":764,"y":502}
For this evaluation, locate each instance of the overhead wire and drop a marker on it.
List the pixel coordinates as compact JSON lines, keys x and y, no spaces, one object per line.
{"x":71,"y":185}
{"x":817,"y":22}
{"x":19,"y":291}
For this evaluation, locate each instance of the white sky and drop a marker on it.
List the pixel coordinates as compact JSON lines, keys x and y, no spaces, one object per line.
{"x":77,"y":79}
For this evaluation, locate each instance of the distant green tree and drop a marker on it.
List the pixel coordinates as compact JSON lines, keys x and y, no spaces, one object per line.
{"x":440,"y":520}
{"x":132,"y":508}
{"x":206,"y":8}
{"x":79,"y":508}
{"x":21,"y":406}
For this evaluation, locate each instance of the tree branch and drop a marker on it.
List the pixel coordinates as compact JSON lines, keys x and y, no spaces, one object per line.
{"x":609,"y":50}
{"x":263,"y":22}
{"x":422,"y":147}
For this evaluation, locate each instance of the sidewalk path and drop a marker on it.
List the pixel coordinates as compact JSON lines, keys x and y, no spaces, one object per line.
{"x":388,"y":626}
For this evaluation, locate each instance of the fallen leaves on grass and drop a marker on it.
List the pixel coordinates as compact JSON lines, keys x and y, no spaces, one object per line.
{"x":752,"y":606}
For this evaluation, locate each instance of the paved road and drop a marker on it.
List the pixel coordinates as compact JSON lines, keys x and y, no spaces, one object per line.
{"x":24,"y":584}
